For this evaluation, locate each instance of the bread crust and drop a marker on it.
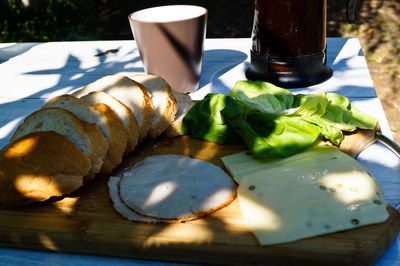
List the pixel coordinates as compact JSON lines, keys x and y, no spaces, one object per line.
{"x":98,"y":151}
{"x":104,"y":118}
{"x":147,"y":111}
{"x":131,"y":93}
{"x":164,"y":102}
{"x":118,"y":139}
{"x":123,"y":112}
{"x":184,"y":103}
{"x":38,"y":166}
{"x":94,"y":140}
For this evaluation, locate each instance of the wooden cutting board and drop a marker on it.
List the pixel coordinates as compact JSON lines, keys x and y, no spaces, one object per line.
{"x":85,"y":222}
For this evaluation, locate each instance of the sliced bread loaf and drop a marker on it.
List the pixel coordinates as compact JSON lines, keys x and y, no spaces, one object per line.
{"x":184,"y":103}
{"x":123,"y":113}
{"x":102,"y":116}
{"x":87,"y":137}
{"x":38,"y":166}
{"x":164,"y":103}
{"x":130,"y":93}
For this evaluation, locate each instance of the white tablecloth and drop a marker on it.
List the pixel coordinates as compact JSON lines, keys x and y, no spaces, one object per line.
{"x":31,"y":73}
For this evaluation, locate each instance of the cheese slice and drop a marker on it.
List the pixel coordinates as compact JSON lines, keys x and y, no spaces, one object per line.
{"x":241,"y":164}
{"x":319,"y":191}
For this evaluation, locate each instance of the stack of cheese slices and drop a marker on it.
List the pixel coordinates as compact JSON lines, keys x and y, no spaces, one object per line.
{"x":74,"y":138}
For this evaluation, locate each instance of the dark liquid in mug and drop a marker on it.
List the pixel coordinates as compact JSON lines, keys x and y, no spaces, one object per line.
{"x":287,"y":28}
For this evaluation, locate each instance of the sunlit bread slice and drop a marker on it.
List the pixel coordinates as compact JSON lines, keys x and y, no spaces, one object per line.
{"x":123,"y":113}
{"x":87,"y":137}
{"x":105,"y":119}
{"x":118,"y":139}
{"x":184,"y":103}
{"x":164,"y":103}
{"x":132,"y":94}
{"x":38,"y":166}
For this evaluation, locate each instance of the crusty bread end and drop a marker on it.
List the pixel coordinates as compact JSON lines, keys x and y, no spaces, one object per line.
{"x":87,"y":137}
{"x":185,"y":103}
{"x":39,"y":166}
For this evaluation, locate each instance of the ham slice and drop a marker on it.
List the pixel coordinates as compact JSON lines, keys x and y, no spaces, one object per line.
{"x":171,"y":188}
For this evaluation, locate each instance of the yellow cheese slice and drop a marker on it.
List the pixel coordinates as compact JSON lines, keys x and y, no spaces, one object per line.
{"x":319,"y":191}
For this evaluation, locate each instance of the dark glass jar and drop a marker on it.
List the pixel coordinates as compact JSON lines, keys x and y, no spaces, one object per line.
{"x":289,"y":42}
{"x":287,"y":28}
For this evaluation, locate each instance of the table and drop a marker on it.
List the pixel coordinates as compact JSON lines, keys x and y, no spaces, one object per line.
{"x":31,"y":73}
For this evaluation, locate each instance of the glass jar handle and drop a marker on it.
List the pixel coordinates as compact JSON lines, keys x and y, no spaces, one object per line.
{"x":351,"y":11}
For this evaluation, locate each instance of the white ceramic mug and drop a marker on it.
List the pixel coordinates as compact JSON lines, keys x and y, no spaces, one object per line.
{"x":170,"y":42}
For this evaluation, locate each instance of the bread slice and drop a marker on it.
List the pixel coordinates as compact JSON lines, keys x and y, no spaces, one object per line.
{"x":184,"y":103}
{"x":39,"y":166}
{"x":102,"y":116}
{"x":123,"y":113}
{"x":87,"y":137}
{"x":164,"y":103}
{"x":130,"y":93}
{"x":118,"y":139}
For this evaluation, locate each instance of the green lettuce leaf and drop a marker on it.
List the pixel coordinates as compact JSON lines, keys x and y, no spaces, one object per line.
{"x":269,"y":136}
{"x":261,"y":96}
{"x":204,"y":121}
{"x":271,"y":121}
{"x":333,"y":113}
